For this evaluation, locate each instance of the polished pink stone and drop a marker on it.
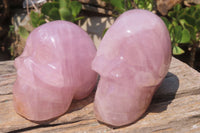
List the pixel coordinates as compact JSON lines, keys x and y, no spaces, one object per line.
{"x":132,"y":60}
{"x":54,"y":68}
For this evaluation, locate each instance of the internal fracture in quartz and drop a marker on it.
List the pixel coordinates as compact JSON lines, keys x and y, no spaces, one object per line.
{"x":132,"y":60}
{"x":54,"y":68}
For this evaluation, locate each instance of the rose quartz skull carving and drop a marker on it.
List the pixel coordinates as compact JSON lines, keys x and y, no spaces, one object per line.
{"x":132,"y":60}
{"x":54,"y":68}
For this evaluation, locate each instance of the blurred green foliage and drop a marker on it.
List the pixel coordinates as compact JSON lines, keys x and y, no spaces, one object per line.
{"x":11,"y":30}
{"x":145,"y":4}
{"x":36,"y":19}
{"x":123,"y":5}
{"x":56,"y":10}
{"x":183,"y":25}
{"x":62,"y":10}
{"x":23,"y":32}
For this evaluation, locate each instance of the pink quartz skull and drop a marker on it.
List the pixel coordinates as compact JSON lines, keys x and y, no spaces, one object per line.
{"x":132,"y":60}
{"x":54,"y":68}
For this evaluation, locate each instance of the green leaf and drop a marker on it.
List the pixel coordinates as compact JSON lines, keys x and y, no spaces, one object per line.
{"x":181,"y":12}
{"x":190,"y":20}
{"x":177,"y":8}
{"x":198,"y":6}
{"x":76,"y":8}
{"x":79,"y":18}
{"x":37,"y":19}
{"x":149,"y":7}
{"x":177,"y":33}
{"x":118,"y":4}
{"x":190,"y":28}
{"x":48,"y":6}
{"x":34,"y":18}
{"x":198,"y":24}
{"x":174,"y":23}
{"x":42,"y":21}
{"x":177,"y":50}
{"x":166,"y":21}
{"x":66,"y":14}
{"x":171,"y":32}
{"x":63,"y":3}
{"x":196,"y":14}
{"x":23,"y":32}
{"x":136,"y":1}
{"x":141,"y":4}
{"x":104,"y":31}
{"x":190,"y":10}
{"x":11,"y":30}
{"x":45,"y":8}
{"x":129,"y":4}
{"x":175,"y":12}
{"x":185,"y":36}
{"x":54,"y":14}
{"x":172,"y":14}
{"x":182,"y":22}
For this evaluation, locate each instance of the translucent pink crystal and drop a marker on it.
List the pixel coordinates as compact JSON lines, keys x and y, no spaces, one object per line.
{"x":54,"y":68}
{"x":132,"y":60}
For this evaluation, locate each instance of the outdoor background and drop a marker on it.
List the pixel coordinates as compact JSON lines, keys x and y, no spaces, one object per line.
{"x":19,"y":17}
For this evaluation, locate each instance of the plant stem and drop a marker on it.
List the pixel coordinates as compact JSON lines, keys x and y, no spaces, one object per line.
{"x":193,"y":54}
{"x":134,"y":4}
{"x":125,"y":4}
{"x":27,"y":8}
{"x":33,"y":4}
{"x":6,"y":6}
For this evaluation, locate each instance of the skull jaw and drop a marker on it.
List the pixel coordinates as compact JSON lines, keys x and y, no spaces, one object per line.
{"x":38,"y":104}
{"x":120,"y":106}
